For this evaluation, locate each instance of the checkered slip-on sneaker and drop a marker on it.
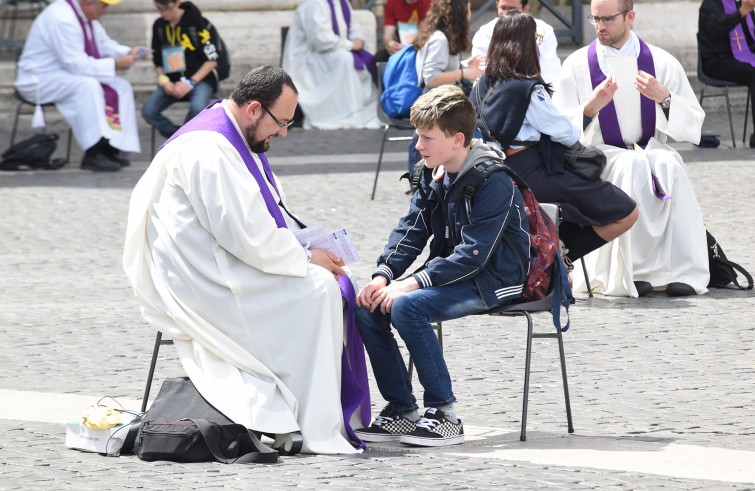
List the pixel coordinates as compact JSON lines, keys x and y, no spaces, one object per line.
{"x":435,"y":430}
{"x":387,"y":427}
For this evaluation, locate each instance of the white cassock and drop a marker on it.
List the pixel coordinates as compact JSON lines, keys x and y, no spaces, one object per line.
{"x":332,"y":93}
{"x":667,"y":243}
{"x":550,"y":64}
{"x":55,"y":68}
{"x":258,"y":329}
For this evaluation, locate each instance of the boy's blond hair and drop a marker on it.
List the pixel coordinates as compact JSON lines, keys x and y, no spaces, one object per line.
{"x":447,"y":108}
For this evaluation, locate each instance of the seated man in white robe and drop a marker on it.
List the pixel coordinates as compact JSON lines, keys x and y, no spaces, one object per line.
{"x":324,"y":53}
{"x":257,"y":320}
{"x":547,"y":44}
{"x":631,"y":97}
{"x":69,"y":60}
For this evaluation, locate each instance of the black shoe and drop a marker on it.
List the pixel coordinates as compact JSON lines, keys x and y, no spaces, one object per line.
{"x":643,"y":288}
{"x":434,"y":429}
{"x":387,"y":427}
{"x":752,"y":140}
{"x":99,"y":162}
{"x":115,"y":155}
{"x":679,"y":290}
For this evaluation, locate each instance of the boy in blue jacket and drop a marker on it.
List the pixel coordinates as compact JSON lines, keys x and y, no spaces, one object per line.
{"x":479,"y":256}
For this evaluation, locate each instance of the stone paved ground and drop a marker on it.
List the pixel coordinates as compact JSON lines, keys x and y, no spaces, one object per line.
{"x":662,"y":389}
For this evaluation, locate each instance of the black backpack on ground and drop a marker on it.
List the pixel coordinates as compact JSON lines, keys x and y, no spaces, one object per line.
{"x":33,"y":153}
{"x":722,"y":271}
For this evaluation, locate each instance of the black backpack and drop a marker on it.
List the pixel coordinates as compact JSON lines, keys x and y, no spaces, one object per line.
{"x":223,"y":69}
{"x":722,"y":271}
{"x":34,"y":153}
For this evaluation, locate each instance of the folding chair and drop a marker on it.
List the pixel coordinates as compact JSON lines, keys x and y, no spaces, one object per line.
{"x":722,"y":84}
{"x":388,"y":124}
{"x":159,"y":341}
{"x":526,"y":309}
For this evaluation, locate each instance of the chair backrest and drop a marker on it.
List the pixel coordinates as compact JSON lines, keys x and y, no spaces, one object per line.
{"x":702,"y":77}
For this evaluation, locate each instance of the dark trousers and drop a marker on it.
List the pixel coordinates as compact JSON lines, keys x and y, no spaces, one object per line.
{"x":735,"y":71}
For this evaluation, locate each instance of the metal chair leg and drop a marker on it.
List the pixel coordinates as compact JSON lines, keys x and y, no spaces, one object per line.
{"x":731,"y":124}
{"x":380,"y":162}
{"x":587,"y":278}
{"x":15,"y":125}
{"x":527,"y":360}
{"x":747,"y":114}
{"x":68,"y":145}
{"x":152,"y":145}
{"x":569,"y":424}
{"x":152,"y":365}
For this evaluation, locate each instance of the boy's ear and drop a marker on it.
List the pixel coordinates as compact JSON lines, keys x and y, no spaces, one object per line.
{"x":459,"y":139}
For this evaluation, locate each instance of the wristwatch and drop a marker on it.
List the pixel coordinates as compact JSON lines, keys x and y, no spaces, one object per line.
{"x":666,"y":103}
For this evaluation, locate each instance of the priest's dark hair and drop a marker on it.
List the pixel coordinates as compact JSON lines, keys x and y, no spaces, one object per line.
{"x":513,"y":49}
{"x":263,"y":84}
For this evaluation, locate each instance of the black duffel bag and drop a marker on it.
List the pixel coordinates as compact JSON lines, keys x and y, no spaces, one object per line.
{"x":181,"y":426}
{"x":199,"y":440}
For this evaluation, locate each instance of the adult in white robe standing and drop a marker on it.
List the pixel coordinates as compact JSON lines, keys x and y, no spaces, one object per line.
{"x":257,"y":320}
{"x":629,"y":115}
{"x":69,"y":60}
{"x":547,"y":44}
{"x":324,"y":53}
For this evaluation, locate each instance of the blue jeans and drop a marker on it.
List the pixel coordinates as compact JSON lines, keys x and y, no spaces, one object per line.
{"x":159,"y":101}
{"x":412,"y":315}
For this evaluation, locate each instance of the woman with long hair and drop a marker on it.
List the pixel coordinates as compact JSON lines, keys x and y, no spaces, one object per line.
{"x":442,"y":37}
{"x":517,"y":116}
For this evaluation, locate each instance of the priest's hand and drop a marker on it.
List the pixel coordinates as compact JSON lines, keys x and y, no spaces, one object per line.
{"x":746,"y":7}
{"x":357,"y":44}
{"x":601,"y":96}
{"x":124,"y":62}
{"x":385,"y":297}
{"x":650,"y":87}
{"x":329,"y":261}
{"x":370,"y":291}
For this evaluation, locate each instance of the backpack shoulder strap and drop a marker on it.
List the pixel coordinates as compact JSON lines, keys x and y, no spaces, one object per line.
{"x":263,"y":455}
{"x":480,"y":172}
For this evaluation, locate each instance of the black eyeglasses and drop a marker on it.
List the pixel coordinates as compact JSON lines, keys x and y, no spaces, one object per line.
{"x":606,"y":19}
{"x":287,"y":124}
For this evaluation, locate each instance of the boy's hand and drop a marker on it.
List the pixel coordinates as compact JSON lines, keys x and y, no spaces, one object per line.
{"x":368,"y":291}
{"x":385,"y":297}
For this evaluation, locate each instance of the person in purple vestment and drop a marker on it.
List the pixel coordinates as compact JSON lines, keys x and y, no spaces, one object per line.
{"x":726,"y":40}
{"x":257,"y":319}
{"x":69,"y":60}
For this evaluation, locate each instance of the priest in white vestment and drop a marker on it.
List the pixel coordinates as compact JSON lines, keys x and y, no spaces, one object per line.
{"x":609,"y":89}
{"x":324,"y":53}
{"x":69,"y":60}
{"x":547,"y":44}
{"x":257,"y":320}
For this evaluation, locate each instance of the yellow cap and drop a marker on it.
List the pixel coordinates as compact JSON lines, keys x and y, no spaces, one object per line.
{"x":110,"y":2}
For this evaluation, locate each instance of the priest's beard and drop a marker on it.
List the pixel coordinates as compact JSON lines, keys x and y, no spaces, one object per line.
{"x":615,"y":41}
{"x":256,"y":146}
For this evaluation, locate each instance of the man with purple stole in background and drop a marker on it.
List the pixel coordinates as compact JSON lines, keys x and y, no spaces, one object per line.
{"x":726,"y":40}
{"x":630,"y":97}
{"x":326,"y":57}
{"x":258,"y":321}
{"x":68,"y":59}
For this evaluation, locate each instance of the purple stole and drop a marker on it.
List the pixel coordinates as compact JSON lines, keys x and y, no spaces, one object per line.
{"x":742,"y":37}
{"x":90,"y":47}
{"x":355,"y":390}
{"x":609,"y":122}
{"x":362,"y":58}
